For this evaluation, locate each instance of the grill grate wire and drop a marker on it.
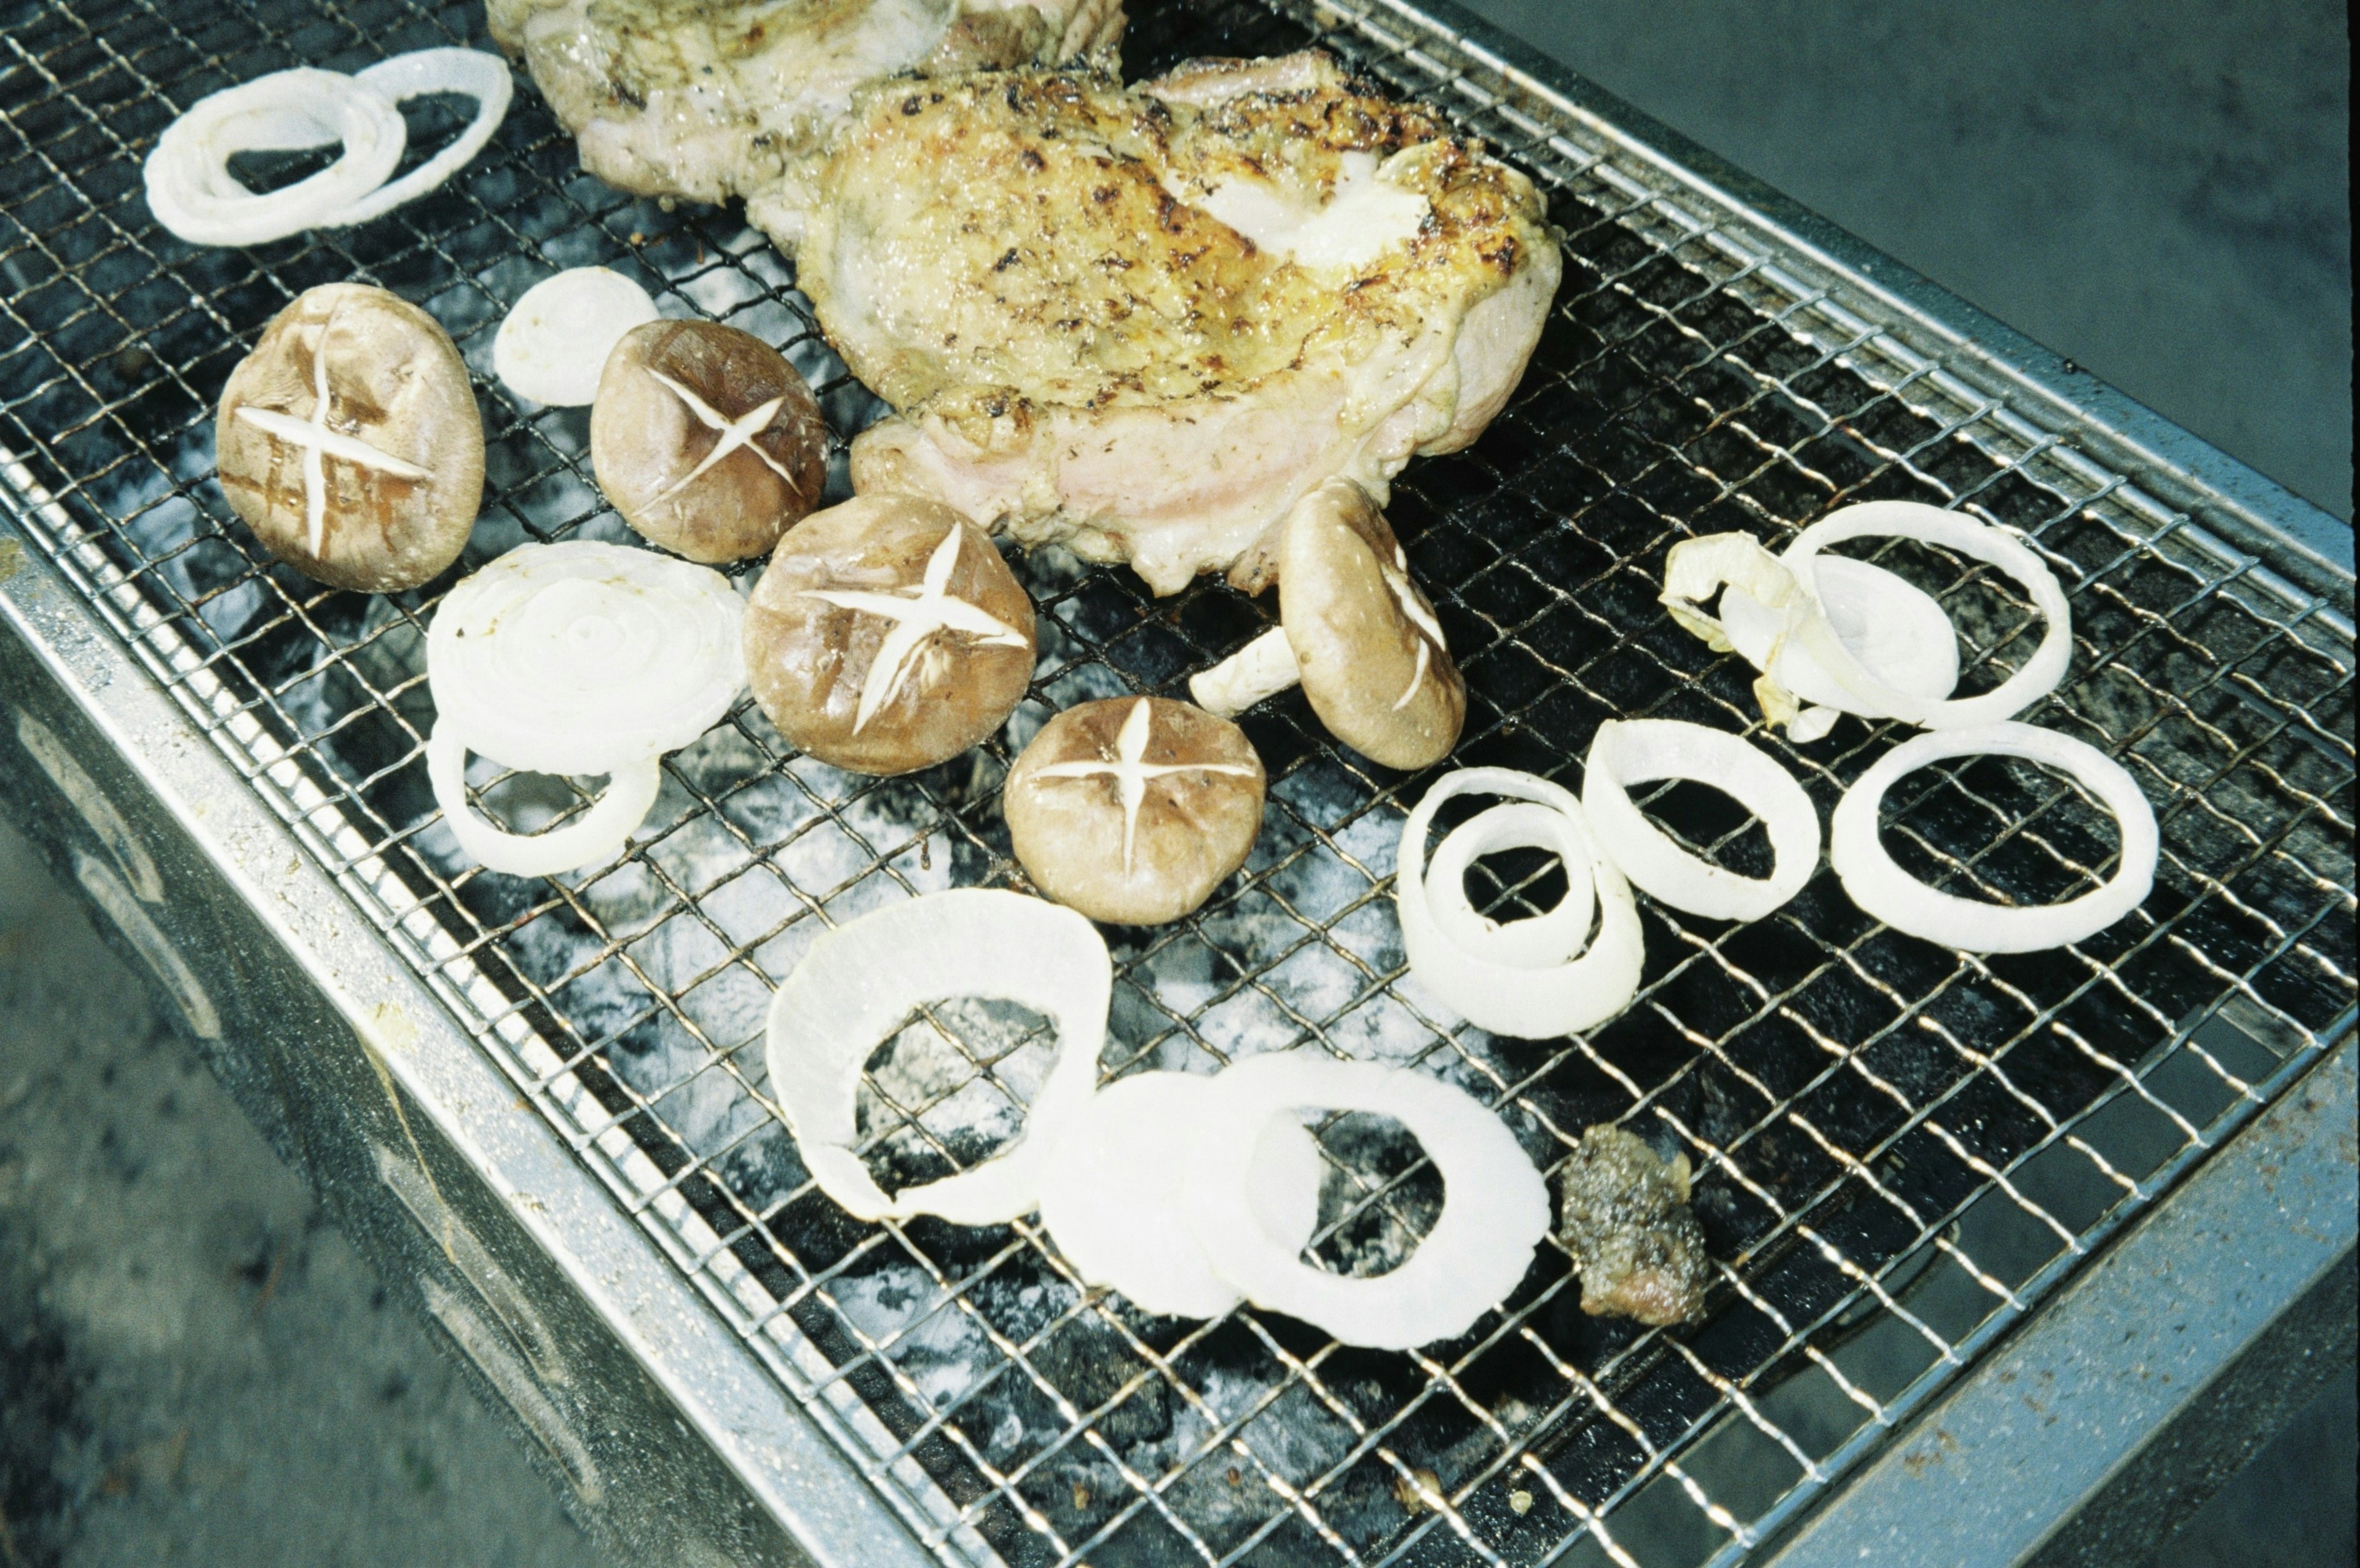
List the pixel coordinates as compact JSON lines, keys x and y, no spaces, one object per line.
{"x":1899,"y":1149}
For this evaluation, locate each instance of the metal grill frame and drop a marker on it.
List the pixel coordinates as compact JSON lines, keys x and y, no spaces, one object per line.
{"x":2173,"y":512}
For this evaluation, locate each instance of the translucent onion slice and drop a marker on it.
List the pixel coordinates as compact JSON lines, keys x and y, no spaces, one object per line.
{"x":858,"y":982}
{"x":472,"y":74}
{"x":1111,"y":1191}
{"x":1897,"y":631}
{"x":554,"y":343}
{"x":1639,"y":751}
{"x":1494,"y":1209}
{"x":1951,"y":530}
{"x":1971,"y":925}
{"x":1513,"y":997}
{"x":584,"y":658}
{"x":593,"y":838}
{"x":193,"y":194}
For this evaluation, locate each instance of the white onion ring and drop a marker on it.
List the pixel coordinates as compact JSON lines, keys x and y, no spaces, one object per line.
{"x":861,"y":980}
{"x":554,"y":343}
{"x":1111,"y":1195}
{"x":1951,"y":530}
{"x":1494,"y":1209}
{"x":1899,"y":633}
{"x":1908,"y":905}
{"x":583,"y":657}
{"x":193,"y":193}
{"x":1506,"y":997}
{"x":596,"y":836}
{"x":1639,"y":751}
{"x":472,"y":74}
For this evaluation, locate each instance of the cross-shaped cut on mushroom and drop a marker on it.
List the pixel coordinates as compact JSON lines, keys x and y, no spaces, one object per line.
{"x":1133,"y":809}
{"x":934,"y":608}
{"x":868,"y":606}
{"x":682,"y":464}
{"x":1131,"y":775}
{"x":1355,"y":631}
{"x":319,"y":442}
{"x":397,"y":419}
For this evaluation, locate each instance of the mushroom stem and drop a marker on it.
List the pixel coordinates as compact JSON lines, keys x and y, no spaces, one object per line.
{"x":1263,"y":667}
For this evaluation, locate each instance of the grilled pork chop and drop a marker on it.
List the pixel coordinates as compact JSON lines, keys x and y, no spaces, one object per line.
{"x":1144,"y":321}
{"x":710,"y":99}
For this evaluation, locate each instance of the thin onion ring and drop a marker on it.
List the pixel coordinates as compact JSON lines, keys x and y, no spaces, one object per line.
{"x":598,"y":836}
{"x":472,"y":74}
{"x":1495,"y":1206}
{"x":1528,"y":1004}
{"x":1112,"y":1195}
{"x":1639,"y":751}
{"x":193,"y":193}
{"x":1540,"y":942}
{"x":1890,"y":894}
{"x":1897,"y":631}
{"x":858,"y":984}
{"x":1953,"y":530}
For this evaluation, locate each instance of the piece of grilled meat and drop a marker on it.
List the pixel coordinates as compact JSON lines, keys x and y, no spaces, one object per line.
{"x":1639,"y":1251}
{"x":710,"y":99}
{"x":1143,"y":321}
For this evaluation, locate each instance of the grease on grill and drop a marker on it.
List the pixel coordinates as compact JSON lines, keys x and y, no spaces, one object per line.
{"x":1639,"y":1251}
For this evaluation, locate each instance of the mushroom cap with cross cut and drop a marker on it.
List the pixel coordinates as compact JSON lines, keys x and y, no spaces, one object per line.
{"x":375,"y":485}
{"x":1374,"y":664}
{"x":1134,"y":809}
{"x":706,"y":440}
{"x":887,"y":635}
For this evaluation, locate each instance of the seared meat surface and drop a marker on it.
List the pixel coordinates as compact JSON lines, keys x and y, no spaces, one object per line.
{"x":1639,"y":1251}
{"x":1143,"y":321}
{"x":710,"y":99}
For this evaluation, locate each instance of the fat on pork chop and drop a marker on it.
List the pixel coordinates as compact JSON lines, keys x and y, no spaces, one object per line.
{"x":710,"y":99}
{"x":1144,"y":321}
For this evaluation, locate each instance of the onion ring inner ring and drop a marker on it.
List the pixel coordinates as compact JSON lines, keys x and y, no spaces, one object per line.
{"x":1507,"y":998}
{"x":193,"y":194}
{"x":1639,"y":751}
{"x":1112,"y":1194}
{"x":597,"y":835}
{"x":1899,"y":633}
{"x":1494,"y":1206}
{"x":1539,"y":942}
{"x":1953,"y":530}
{"x":858,"y":982}
{"x":1890,"y":894}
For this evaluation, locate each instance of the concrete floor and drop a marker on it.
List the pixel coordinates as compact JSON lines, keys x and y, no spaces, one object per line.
{"x":2157,"y":190}
{"x":193,"y":1368}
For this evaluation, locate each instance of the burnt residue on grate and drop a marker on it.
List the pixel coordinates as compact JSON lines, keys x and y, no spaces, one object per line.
{"x":1897,"y":1149}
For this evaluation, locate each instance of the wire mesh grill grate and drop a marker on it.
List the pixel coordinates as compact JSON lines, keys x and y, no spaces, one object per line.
{"x":1899,"y":1149}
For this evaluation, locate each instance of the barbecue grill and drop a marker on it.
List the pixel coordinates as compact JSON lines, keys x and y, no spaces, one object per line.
{"x":1988,"y":1230}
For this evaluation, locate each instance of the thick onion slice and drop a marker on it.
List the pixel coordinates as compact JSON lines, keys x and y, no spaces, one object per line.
{"x":553,"y":345}
{"x":1897,"y":631}
{"x":1786,"y":590}
{"x":1111,"y":1194}
{"x":471,"y":73}
{"x":859,"y":982}
{"x":1495,"y":983}
{"x":1495,"y":1207}
{"x":582,"y":658}
{"x":1971,"y":925}
{"x":193,"y":194}
{"x":1639,"y":751}
{"x":598,"y":836}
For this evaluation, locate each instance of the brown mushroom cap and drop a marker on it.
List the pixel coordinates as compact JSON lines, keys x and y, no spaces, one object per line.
{"x":1198,"y":808}
{"x":653,"y":449}
{"x":1372,"y":661}
{"x":400,"y":477}
{"x":832,"y":600}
